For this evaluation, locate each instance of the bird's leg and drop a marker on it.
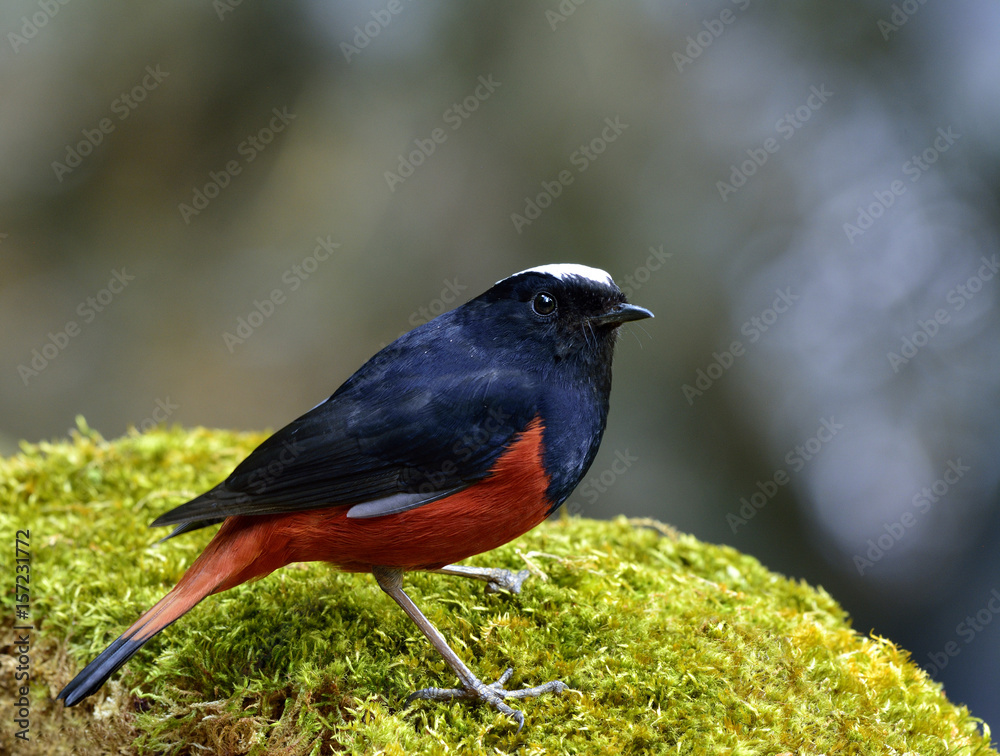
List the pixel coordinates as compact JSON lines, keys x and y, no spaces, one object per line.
{"x":390,"y":580}
{"x":494,"y":577}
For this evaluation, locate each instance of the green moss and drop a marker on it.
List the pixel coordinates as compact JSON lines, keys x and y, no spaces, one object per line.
{"x":669,"y":645}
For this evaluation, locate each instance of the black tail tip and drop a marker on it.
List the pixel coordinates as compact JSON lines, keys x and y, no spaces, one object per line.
{"x":72,"y":694}
{"x":94,"y":675}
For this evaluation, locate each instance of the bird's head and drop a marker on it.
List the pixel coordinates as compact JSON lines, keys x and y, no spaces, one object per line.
{"x":562,"y":311}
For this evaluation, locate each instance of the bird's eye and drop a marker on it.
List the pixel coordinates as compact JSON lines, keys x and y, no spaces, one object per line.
{"x":544,"y":303}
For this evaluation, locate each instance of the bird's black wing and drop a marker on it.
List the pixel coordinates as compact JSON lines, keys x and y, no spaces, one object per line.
{"x":408,"y":428}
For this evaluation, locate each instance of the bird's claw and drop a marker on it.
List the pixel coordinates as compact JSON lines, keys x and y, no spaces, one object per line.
{"x":506,"y":580}
{"x":493,"y":694}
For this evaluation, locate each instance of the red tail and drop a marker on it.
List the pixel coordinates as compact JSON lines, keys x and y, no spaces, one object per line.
{"x":234,"y":556}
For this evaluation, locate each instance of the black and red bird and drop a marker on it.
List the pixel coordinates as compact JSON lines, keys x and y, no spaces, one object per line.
{"x":458,"y":437}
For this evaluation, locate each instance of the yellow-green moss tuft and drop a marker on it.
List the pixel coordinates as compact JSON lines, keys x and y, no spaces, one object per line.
{"x":669,"y":645}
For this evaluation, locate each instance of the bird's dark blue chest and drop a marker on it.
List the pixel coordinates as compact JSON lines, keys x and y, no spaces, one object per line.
{"x":574,"y":424}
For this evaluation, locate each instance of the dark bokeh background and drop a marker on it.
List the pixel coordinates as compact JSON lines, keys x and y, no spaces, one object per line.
{"x":860,"y":142}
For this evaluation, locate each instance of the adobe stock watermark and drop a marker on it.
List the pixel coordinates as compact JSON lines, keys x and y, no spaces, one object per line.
{"x":292,"y":278}
{"x":21,"y":648}
{"x":914,"y":169}
{"x":88,"y":310}
{"x":713,"y":29}
{"x":450,"y":294}
{"x":30,"y":26}
{"x":901,"y":13}
{"x":164,"y":409}
{"x":263,"y":478}
{"x":958,"y":297}
{"x":920,"y":504}
{"x":454,"y":116}
{"x":365,"y":33}
{"x":786,"y":126}
{"x":581,"y":159}
{"x":797,"y":458}
{"x":223,"y":8}
{"x":561,"y":13}
{"x":447,"y":470}
{"x":640,"y":276}
{"x":753,"y":328}
{"x":122,"y":106}
{"x":248,"y":149}
{"x":474,"y":440}
{"x":966,"y":630}
{"x":593,"y":486}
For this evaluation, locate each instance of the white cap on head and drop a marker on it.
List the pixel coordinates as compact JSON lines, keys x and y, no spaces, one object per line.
{"x":567,"y":270}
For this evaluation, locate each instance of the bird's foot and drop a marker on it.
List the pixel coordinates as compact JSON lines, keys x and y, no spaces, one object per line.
{"x":496,"y":579}
{"x":500,"y":579}
{"x":493,"y":694}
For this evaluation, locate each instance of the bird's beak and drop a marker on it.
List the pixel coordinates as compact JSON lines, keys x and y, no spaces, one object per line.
{"x":621,"y":313}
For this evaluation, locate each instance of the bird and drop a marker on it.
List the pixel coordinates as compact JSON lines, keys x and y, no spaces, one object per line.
{"x":463,"y":434}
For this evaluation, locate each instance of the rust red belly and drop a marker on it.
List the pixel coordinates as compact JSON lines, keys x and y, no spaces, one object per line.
{"x":506,"y":504}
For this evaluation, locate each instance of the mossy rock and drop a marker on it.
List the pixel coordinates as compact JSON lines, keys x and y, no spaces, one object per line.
{"x":668,"y":644}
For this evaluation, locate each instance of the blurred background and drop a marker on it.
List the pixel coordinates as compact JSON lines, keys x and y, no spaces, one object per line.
{"x":212,"y":213}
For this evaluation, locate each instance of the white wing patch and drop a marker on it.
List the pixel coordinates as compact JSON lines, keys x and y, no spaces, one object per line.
{"x":398,"y":502}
